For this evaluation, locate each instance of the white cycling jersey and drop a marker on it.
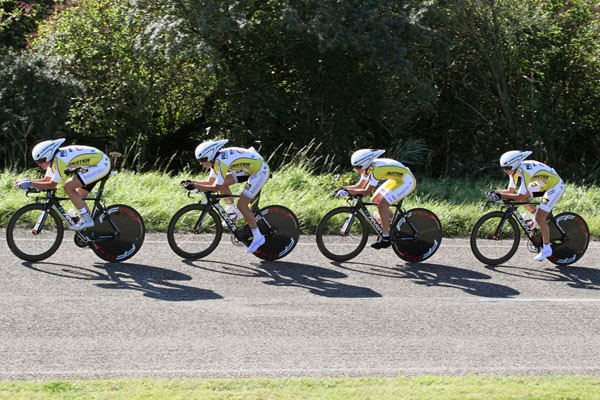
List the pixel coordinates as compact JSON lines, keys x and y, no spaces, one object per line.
{"x":536,"y":177}
{"x":399,"y":180}
{"x":242,"y":162}
{"x":92,"y":164}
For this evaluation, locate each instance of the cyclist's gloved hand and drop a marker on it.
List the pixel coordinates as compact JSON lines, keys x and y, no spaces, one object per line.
{"x":189,"y":185}
{"x":493,"y":196}
{"x":341,"y":192}
{"x":24,"y":184}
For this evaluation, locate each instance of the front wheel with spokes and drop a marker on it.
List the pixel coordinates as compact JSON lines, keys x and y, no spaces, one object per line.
{"x":34,"y":233}
{"x":342,"y":234}
{"x":194,"y":231}
{"x":495,"y":238}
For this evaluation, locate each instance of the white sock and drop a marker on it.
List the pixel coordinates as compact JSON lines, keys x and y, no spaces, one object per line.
{"x":256,"y":233}
{"x":85,"y":215}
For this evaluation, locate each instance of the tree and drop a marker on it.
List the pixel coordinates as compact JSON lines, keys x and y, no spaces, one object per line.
{"x":18,"y":19}
{"x":290,"y":71}
{"x":517,"y":71}
{"x":34,"y":102}
{"x":134,"y":94}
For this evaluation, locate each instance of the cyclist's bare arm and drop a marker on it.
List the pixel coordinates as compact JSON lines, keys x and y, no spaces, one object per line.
{"x":203,"y":187}
{"x":208,"y":182}
{"x":210,"y":185}
{"x":360,"y":191}
{"x":44,"y":183}
{"x":509,"y":194}
{"x":361,"y":188}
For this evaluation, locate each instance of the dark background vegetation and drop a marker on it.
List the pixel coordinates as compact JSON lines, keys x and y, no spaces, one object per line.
{"x":445,"y":86}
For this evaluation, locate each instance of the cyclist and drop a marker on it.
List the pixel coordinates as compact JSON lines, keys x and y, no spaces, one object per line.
{"x":90,"y":166}
{"x":228,"y":166}
{"x":399,"y":183}
{"x":527,"y":179}
{"x":231,"y":178}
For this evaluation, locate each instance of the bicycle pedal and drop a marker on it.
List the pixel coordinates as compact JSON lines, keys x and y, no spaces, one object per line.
{"x":396,"y":236}
{"x":81,"y":241}
{"x":532,"y":248}
{"x":236,"y":242}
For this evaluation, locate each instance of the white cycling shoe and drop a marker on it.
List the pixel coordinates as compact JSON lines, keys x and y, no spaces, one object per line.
{"x":257,"y":241}
{"x":544,"y":253}
{"x":89,"y":223}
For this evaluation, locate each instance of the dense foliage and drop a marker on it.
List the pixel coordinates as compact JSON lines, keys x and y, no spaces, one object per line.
{"x":445,"y":85}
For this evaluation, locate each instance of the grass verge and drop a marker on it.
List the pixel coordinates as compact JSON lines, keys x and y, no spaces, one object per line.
{"x":427,"y":387}
{"x":157,"y":196}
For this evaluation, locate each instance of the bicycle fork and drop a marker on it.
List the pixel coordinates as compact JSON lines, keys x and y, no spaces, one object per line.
{"x":39,"y":224}
{"x":347,"y":223}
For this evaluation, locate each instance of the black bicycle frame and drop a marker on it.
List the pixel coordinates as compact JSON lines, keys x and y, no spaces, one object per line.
{"x":399,"y":213}
{"x":52,"y":200}
{"x":212,"y":201}
{"x":511,"y":208}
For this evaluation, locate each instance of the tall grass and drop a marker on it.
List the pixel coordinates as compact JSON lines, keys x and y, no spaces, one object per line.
{"x":295,"y":184}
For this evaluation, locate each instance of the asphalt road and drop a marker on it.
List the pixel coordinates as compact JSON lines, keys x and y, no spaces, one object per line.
{"x":233,"y":315}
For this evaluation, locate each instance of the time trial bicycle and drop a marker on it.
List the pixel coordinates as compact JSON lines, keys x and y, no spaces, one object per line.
{"x":343,"y":232}
{"x":495,"y":237}
{"x":36,"y":230}
{"x":196,"y":229}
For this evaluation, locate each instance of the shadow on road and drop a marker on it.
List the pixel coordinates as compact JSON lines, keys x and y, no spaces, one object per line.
{"x":470,"y":282}
{"x":318,"y":280}
{"x":576,"y":277}
{"x":580,"y":277}
{"x":227,"y":268}
{"x":153,"y":282}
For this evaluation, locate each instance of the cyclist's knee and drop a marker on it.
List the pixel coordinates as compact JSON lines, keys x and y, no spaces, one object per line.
{"x":244,"y":201}
{"x":383,"y":204}
{"x":82,"y":191}
{"x":541,"y":215}
{"x":72,"y":185}
{"x":223,"y":189}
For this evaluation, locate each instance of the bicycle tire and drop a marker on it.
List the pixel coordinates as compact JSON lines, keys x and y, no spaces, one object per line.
{"x":335,"y":246}
{"x":132,"y":232}
{"x":490,"y":248}
{"x":429,"y":229}
{"x":26,"y":244}
{"x":188,"y":242}
{"x":570,"y":250}
{"x":283,"y":236}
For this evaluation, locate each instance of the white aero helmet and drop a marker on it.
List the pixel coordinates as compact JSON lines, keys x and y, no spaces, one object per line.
{"x":364,"y":157}
{"x":512,"y":159}
{"x":207,"y":151}
{"x":44,"y":151}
